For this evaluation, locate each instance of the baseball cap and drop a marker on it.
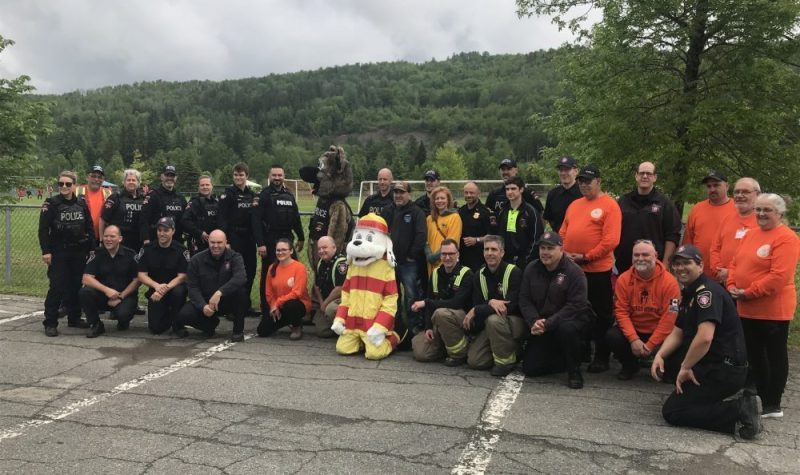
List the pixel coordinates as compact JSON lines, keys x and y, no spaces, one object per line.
{"x":169,"y":169}
{"x":166,"y":222}
{"x":714,"y":175}
{"x":432,"y":174}
{"x":688,"y":251}
{"x":589,"y":172}
{"x":97,"y":169}
{"x":401,"y":185}
{"x":508,"y":163}
{"x":551,"y":238}
{"x":566,"y":162}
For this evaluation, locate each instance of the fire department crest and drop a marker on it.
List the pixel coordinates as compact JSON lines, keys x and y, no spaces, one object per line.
{"x":704,"y":299}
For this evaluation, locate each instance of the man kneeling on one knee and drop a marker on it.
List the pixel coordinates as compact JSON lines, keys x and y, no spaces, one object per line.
{"x":493,"y":323}
{"x":450,"y":297}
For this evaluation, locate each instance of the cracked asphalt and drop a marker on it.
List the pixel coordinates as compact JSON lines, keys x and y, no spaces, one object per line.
{"x":277,"y":406}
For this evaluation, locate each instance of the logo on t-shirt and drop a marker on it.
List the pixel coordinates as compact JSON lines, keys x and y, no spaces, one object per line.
{"x":290,"y":282}
{"x":596,"y":213}
{"x":763,"y":251}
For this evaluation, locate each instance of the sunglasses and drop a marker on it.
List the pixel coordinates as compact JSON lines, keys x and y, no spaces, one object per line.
{"x":65,"y":184}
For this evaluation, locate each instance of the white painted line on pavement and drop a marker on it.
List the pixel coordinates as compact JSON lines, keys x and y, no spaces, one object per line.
{"x":73,"y":408}
{"x":478,"y":452}
{"x":20,"y":317}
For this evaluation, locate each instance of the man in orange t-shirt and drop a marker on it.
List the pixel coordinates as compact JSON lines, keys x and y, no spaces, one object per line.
{"x":591,"y":231}
{"x":706,"y":217}
{"x":734,"y":228}
{"x":95,"y":195}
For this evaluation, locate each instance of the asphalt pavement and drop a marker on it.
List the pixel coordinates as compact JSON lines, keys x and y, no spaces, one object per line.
{"x":131,"y":402}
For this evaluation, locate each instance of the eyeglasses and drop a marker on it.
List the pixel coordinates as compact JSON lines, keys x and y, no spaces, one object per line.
{"x":65,"y":184}
{"x":448,"y":254}
{"x":765,"y":210}
{"x":743,"y":192}
{"x":646,"y":173}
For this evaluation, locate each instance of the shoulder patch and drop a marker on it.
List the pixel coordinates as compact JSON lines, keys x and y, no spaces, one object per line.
{"x":187,"y":256}
{"x":674,"y":305}
{"x":45,"y":206}
{"x":342,"y":268}
{"x":704,"y":299}
{"x":146,"y":199}
{"x":256,"y":200}
{"x":138,"y":256}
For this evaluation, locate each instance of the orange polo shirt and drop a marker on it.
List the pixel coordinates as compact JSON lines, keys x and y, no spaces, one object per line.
{"x":702,"y":225}
{"x":725,"y":244}
{"x":592,"y":228}
{"x":764,"y":267}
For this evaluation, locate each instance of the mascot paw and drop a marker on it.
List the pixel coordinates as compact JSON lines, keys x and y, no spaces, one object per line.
{"x":338,"y":327}
{"x":376,"y":336}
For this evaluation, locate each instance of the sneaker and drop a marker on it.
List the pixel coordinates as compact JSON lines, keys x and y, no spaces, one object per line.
{"x":575,"y":379}
{"x":597,"y":366}
{"x":453,"y":362}
{"x":749,"y":416}
{"x":180,"y":332}
{"x":627,"y":373}
{"x":772,"y":412}
{"x":297,"y":333}
{"x":80,"y":323}
{"x":501,"y":370}
{"x":96,"y":330}
{"x":51,"y":331}
{"x":237,"y":337}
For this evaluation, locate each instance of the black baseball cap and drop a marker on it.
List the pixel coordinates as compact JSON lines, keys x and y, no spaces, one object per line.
{"x":688,"y":251}
{"x":508,"y":163}
{"x":97,"y":169}
{"x":166,"y":222}
{"x":551,"y":238}
{"x":589,"y":172}
{"x":566,"y":162}
{"x":169,"y":169}
{"x":714,"y":175}
{"x":432,"y":175}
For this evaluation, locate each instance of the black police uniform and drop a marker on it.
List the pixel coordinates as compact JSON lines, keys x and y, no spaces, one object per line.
{"x":721,"y":372}
{"x":66,"y":232}
{"x":116,"y":272}
{"x":560,"y":297}
{"x":123,"y":209}
{"x":276,"y":217}
{"x":330,"y":274}
{"x":375,"y":203}
{"x":200,"y":216}
{"x":448,"y":290}
{"x":162,"y":264}
{"x":497,"y":201}
{"x":236,"y":209}
{"x":321,"y":219}
{"x":159,"y":203}
{"x":475,"y":222}
{"x":207,"y":274}
{"x":558,"y":200}
{"x":424,"y":203}
{"x":652,"y":216}
{"x":519,"y":233}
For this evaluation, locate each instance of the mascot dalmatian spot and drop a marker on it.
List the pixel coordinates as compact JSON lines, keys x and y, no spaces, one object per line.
{"x":365,"y":318}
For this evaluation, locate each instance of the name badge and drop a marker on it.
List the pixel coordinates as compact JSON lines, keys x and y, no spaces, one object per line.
{"x":740,"y":233}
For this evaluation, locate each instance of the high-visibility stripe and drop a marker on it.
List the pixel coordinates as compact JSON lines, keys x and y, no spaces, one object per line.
{"x":511,"y":224}
{"x":457,"y":282}
{"x":504,"y":361}
{"x":506,"y":277}
{"x":460,"y":346}
{"x":334,"y":266}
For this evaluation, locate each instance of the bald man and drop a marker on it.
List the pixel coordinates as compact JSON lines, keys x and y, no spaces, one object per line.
{"x":476,"y":221}
{"x":217,"y":284}
{"x":331,"y":271}
{"x":376,"y":202}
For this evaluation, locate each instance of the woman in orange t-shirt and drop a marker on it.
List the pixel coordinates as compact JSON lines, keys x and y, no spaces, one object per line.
{"x":286,"y":289}
{"x":761,"y":280}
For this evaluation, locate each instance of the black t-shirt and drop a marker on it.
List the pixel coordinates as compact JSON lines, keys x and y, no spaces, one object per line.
{"x":558,"y":200}
{"x":163,"y":264}
{"x":706,"y":301}
{"x":116,"y":272}
{"x":375,"y":204}
{"x":330,"y":274}
{"x":475,"y":222}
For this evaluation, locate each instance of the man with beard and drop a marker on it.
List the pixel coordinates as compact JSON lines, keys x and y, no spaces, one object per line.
{"x":95,"y":195}
{"x":162,"y":202}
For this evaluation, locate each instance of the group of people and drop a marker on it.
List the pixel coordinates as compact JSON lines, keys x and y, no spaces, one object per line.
{"x":484,"y":284}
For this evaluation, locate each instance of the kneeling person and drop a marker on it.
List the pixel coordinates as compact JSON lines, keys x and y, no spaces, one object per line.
{"x":110,"y":283}
{"x":450,"y":291}
{"x":162,"y":267}
{"x":554,"y":303}
{"x":327,"y":291}
{"x":216,"y":281}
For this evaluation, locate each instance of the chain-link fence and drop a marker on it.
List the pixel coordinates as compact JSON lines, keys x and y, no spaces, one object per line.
{"x":23,"y":270}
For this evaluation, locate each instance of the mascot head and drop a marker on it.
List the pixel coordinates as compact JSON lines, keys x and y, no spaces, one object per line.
{"x":332,"y":177}
{"x":370,"y":242}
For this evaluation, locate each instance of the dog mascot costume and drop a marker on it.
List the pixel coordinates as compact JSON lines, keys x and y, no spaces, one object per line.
{"x":365,"y":318}
{"x":333,"y":182}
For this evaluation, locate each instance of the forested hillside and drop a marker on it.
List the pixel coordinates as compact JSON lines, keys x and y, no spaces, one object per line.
{"x":387,"y":114}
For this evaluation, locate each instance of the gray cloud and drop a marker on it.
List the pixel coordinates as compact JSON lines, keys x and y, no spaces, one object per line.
{"x":84,"y":44}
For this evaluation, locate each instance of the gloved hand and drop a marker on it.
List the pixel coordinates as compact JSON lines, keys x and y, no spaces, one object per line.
{"x":338,"y":326}
{"x":376,"y":335}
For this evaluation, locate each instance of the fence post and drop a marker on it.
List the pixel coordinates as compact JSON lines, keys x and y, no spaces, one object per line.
{"x":7,"y":212}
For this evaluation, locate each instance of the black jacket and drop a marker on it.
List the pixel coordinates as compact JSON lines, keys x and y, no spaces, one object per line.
{"x":556,"y":296}
{"x":65,"y":224}
{"x":494,"y":288}
{"x":519,"y":248}
{"x":276,"y":216}
{"x":475,"y":222}
{"x":652,"y":216}
{"x":157,"y":204}
{"x":376,"y":203}
{"x":206,"y":275}
{"x":453,"y":290}
{"x":408,"y":230}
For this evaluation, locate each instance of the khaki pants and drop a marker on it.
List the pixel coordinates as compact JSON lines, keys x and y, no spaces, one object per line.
{"x":497,"y":344}
{"x":324,"y":320}
{"x":436,"y":349}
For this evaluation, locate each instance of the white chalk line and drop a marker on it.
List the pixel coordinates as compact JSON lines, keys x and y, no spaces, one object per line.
{"x":20,"y":317}
{"x":478,"y":452}
{"x":75,"y":407}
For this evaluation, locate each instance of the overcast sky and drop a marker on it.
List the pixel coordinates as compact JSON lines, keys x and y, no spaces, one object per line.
{"x":64,"y":45}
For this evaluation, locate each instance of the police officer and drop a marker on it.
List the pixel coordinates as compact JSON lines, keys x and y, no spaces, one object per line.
{"x":200,"y":216}
{"x":160,"y":202}
{"x":330,"y":274}
{"x":381,"y":198}
{"x":332,"y":217}
{"x":66,"y":235}
{"x":216,"y":280}
{"x":162,"y":267}
{"x":708,"y":344}
{"x":123,"y":209}
{"x":110,"y":283}
{"x":236,"y":208}
{"x":519,"y":224}
{"x":449,"y":298}
{"x":559,"y":198}
{"x":276,"y":217}
{"x":476,"y":221}
{"x":497,"y":200}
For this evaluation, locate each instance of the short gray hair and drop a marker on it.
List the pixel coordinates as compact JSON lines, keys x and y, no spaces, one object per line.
{"x":134,"y":172}
{"x":501,"y":243}
{"x":777,"y":201}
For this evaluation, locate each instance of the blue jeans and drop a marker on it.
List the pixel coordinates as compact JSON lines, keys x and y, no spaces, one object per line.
{"x":407,"y":277}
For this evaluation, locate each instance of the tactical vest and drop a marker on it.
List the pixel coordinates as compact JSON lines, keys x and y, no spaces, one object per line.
{"x":242,"y":203}
{"x":457,"y":283}
{"x":208,"y":213}
{"x":506,"y":278}
{"x":172,"y":204}
{"x":69,"y":223}
{"x":126,"y":216}
{"x":284,"y":206}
